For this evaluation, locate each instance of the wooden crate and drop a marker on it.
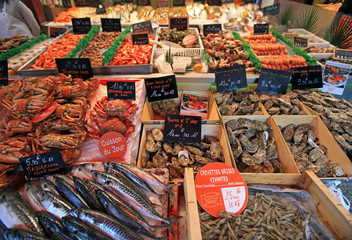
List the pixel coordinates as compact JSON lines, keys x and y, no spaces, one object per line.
{"x":334,"y":153}
{"x":207,"y":129}
{"x":330,"y":210}
{"x":284,"y":155}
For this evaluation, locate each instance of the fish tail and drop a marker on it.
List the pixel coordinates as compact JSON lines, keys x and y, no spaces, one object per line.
{"x":171,"y":221}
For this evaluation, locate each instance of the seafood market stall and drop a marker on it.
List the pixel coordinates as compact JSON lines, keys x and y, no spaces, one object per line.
{"x":178,"y":120}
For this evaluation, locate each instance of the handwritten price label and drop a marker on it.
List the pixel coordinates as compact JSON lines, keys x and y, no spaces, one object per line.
{"x":233,"y":197}
{"x":112,"y":145}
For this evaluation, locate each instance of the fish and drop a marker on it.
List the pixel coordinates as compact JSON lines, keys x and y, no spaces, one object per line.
{"x":140,"y":203}
{"x":106,"y":224}
{"x":81,"y":230}
{"x":23,"y":234}
{"x":81,"y":172}
{"x":48,"y":186}
{"x":70,"y":193}
{"x":64,"y":177}
{"x":53,"y":226}
{"x":88,"y":194}
{"x":31,"y":193}
{"x":93,"y":166}
{"x":55,"y":204}
{"x":14,"y":212}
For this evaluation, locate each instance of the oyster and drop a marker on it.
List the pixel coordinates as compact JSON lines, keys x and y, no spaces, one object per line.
{"x":286,"y":104}
{"x":157,"y":134}
{"x":288,"y":132}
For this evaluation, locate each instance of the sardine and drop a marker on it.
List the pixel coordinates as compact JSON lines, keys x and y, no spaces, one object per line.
{"x":81,"y":230}
{"x":48,"y":186}
{"x":55,"y":204}
{"x":53,"y":226}
{"x":88,"y":194}
{"x":70,"y":193}
{"x":23,"y":234}
{"x":31,"y":193}
{"x":14,"y":212}
{"x":106,"y":223}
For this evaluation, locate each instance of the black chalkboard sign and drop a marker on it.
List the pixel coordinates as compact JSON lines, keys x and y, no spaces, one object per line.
{"x":143,"y":2}
{"x":77,"y":67}
{"x":179,"y":3}
{"x":56,"y":31}
{"x":111,"y":24}
{"x":260,"y":29}
{"x":140,"y":27}
{"x":306,"y":77}
{"x":81,"y":25}
{"x":230,"y":78}
{"x":300,"y":42}
{"x":273,"y":81}
{"x":161,"y":88}
{"x":342,"y":54}
{"x":121,"y":90}
{"x":185,"y":129}
{"x":126,"y":1}
{"x":198,"y":1}
{"x":272,"y":10}
{"x":211,"y":28}
{"x":140,"y":39}
{"x":100,"y":10}
{"x":180,"y":23}
{"x":214,"y":2}
{"x":4,"y":74}
{"x":36,"y":166}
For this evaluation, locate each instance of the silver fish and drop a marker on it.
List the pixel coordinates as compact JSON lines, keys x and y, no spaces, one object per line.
{"x":22,"y":234}
{"x":70,"y":193}
{"x":87,"y":193}
{"x":31,"y":194}
{"x":48,"y":186}
{"x":55,"y":204}
{"x":53,"y":225}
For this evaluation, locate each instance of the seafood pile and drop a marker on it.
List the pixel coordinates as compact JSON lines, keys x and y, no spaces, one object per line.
{"x":97,"y":47}
{"x":268,"y":49}
{"x":172,"y":35}
{"x":59,"y":49}
{"x":177,"y":156}
{"x":110,"y":201}
{"x":62,"y":129}
{"x":8,"y":43}
{"x":129,"y":54}
{"x":266,"y":216}
{"x":225,"y":51}
{"x":252,"y":148}
{"x":285,"y":104}
{"x":282,"y":62}
{"x":164,"y":107}
{"x":312,"y":49}
{"x":308,"y":153}
{"x":335,"y":113}
{"x":237,"y":103}
{"x":160,"y":14}
{"x":263,"y":38}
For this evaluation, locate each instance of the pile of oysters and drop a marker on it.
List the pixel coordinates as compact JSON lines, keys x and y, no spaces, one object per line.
{"x":285,"y":104}
{"x":234,"y":102}
{"x":164,"y":107}
{"x":254,"y":150}
{"x":308,"y":153}
{"x":177,"y":156}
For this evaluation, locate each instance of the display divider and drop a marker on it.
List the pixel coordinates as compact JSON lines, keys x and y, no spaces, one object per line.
{"x":246,"y":47}
{"x":110,"y":53}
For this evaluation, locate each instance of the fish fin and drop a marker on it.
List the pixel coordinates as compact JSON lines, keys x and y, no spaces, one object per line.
{"x":171,"y":188}
{"x":171,"y":221}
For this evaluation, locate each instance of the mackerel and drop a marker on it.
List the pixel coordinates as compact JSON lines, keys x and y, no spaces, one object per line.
{"x":55,"y":204}
{"x":53,"y":226}
{"x":64,"y":177}
{"x":15,"y":212}
{"x":31,"y":193}
{"x":81,"y":172}
{"x":22,"y":234}
{"x":70,"y":193}
{"x":48,"y":186}
{"x":87,"y":193}
{"x":93,"y":166}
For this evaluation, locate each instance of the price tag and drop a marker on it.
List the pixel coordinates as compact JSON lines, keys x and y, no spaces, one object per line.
{"x":56,"y":31}
{"x":273,"y":81}
{"x":112,"y":145}
{"x":126,"y":1}
{"x":182,"y":128}
{"x":36,"y":166}
{"x":290,"y":36}
{"x":343,"y":54}
{"x":161,"y":88}
{"x":81,"y":25}
{"x":100,"y":10}
{"x":179,"y":3}
{"x":219,"y":187}
{"x":180,"y":23}
{"x":143,"y":2}
{"x":306,"y":77}
{"x":77,"y":67}
{"x":272,"y":10}
{"x":141,"y":27}
{"x":211,"y":28}
{"x":140,"y":39}
{"x":111,"y":24}
{"x":300,"y":42}
{"x":4,"y":74}
{"x":230,"y":78}
{"x":214,"y":2}
{"x":260,"y":29}
{"x":121,"y":90}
